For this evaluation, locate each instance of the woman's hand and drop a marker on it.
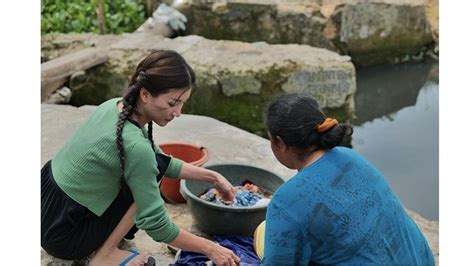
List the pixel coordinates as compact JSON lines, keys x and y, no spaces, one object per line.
{"x":222,"y":256}
{"x":225,"y":188}
{"x":218,"y":254}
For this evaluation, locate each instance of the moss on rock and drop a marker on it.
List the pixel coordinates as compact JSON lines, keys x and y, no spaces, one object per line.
{"x":100,"y":84}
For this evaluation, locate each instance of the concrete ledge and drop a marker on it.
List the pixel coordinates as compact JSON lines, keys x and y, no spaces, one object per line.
{"x":226,"y":144}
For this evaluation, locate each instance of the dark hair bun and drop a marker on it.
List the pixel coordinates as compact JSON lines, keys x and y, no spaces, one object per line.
{"x":335,"y":136}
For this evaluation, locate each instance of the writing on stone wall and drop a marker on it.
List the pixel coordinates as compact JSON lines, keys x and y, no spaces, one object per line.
{"x":330,"y":87}
{"x":332,"y":81}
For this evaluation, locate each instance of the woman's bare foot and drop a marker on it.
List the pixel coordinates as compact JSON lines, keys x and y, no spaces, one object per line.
{"x":116,"y":256}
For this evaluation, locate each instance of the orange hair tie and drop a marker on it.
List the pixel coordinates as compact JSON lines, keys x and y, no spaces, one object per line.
{"x":326,"y":125}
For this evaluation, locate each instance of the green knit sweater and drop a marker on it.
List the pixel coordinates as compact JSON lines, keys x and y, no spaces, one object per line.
{"x":87,"y":169}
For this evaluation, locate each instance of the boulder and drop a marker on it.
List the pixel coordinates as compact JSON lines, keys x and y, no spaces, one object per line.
{"x":54,"y":45}
{"x":59,"y":96}
{"x":378,"y":31}
{"x":370,"y":31}
{"x":235,"y":80}
{"x":252,"y":21}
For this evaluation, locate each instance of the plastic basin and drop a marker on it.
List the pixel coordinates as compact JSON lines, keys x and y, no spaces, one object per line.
{"x":189,"y":153}
{"x":213,"y":219}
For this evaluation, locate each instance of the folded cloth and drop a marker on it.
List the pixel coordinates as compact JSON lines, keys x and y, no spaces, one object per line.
{"x":242,"y":246}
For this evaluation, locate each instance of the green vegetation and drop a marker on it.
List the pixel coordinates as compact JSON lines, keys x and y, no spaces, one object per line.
{"x":80,"y":16}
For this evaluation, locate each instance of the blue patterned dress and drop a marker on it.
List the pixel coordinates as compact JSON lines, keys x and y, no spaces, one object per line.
{"x":340,"y":210}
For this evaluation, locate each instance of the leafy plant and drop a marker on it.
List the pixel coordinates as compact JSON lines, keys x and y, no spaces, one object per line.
{"x":80,"y":16}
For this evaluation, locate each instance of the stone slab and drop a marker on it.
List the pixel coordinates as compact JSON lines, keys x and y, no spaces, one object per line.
{"x":230,"y":76}
{"x":371,"y":31}
{"x":226,"y":144}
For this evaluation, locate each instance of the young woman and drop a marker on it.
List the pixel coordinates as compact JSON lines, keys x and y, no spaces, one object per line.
{"x":102,"y":186}
{"x":338,"y":208}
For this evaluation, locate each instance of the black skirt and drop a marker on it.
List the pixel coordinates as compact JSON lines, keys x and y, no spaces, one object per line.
{"x":69,"y":230}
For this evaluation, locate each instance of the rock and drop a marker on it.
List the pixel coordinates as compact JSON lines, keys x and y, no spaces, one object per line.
{"x":432,"y":13}
{"x":400,"y":28}
{"x":371,"y":32}
{"x":158,"y":28}
{"x":277,"y":22}
{"x":333,"y":86}
{"x":235,"y":80}
{"x":430,"y":230}
{"x":77,"y":78}
{"x":57,"y":44}
{"x":98,"y":84}
{"x":56,"y":71}
{"x":62,"y":95}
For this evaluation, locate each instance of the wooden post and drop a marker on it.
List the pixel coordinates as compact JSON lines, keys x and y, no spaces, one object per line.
{"x":149,"y":8}
{"x":99,"y":10}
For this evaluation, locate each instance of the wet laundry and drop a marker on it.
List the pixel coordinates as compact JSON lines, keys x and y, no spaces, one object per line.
{"x":247,"y":194}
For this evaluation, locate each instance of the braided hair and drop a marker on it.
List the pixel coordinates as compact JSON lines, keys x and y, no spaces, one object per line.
{"x":158,"y":73}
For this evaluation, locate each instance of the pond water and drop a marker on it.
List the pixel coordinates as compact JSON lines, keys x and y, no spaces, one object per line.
{"x":397,"y":130}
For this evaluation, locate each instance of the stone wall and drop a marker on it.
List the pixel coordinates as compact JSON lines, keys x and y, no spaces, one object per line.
{"x":235,"y":80}
{"x":371,"y":32}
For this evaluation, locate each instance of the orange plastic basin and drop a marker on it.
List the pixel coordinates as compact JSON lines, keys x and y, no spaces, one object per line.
{"x":189,"y":153}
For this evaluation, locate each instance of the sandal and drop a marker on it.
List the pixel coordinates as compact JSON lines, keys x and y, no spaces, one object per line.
{"x":151,"y":261}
